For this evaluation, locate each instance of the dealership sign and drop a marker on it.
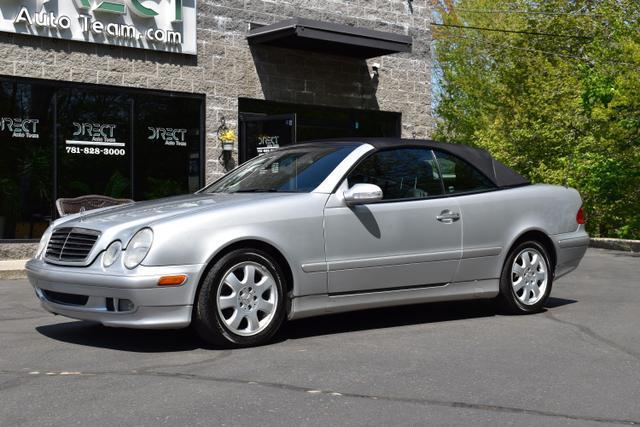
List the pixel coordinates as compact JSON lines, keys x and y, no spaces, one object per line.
{"x":19,"y":127}
{"x":166,"y":25}
{"x":168,"y":136}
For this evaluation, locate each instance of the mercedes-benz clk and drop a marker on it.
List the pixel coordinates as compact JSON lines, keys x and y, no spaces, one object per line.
{"x":313,"y":229}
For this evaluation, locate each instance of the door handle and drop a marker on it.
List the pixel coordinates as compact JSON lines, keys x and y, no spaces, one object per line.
{"x":447,"y":216}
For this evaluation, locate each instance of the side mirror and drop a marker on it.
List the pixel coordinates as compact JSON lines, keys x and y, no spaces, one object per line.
{"x":361,"y":194}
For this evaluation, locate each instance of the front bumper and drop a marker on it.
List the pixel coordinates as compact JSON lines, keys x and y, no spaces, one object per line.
{"x":91,"y":293}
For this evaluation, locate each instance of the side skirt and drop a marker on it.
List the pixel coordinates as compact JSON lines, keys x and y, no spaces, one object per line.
{"x":318,"y":305}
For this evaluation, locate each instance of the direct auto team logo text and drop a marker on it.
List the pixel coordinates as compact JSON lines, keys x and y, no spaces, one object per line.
{"x":135,"y":6}
{"x":89,"y":23}
{"x":98,"y":132}
{"x":20,"y":128}
{"x":170,"y":136}
{"x":119,"y":7}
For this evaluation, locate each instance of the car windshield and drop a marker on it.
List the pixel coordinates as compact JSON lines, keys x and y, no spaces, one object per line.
{"x":291,"y":170}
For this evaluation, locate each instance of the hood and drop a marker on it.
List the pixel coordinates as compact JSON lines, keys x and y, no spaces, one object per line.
{"x":140,"y":214}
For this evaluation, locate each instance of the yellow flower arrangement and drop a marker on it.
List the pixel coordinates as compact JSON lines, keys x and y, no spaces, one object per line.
{"x":227,"y":135}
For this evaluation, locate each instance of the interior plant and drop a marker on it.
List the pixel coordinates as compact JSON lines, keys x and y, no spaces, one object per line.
{"x":163,"y":188}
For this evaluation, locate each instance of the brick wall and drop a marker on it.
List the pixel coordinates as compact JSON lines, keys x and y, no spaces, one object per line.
{"x":226,"y":68}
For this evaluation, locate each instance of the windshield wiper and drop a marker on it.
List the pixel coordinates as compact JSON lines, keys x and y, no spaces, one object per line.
{"x":258,"y":190}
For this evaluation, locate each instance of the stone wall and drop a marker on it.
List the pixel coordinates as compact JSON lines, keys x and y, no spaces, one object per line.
{"x":17,"y":250}
{"x":227,"y":68}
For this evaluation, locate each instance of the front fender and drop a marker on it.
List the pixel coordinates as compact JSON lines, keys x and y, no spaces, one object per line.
{"x":292,"y":224}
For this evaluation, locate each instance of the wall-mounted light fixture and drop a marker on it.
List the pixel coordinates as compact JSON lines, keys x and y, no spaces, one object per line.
{"x":227,"y":138}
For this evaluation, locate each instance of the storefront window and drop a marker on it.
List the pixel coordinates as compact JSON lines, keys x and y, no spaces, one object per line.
{"x":167,"y":157}
{"x":62,"y":140}
{"x":26,"y":159}
{"x":94,"y":140}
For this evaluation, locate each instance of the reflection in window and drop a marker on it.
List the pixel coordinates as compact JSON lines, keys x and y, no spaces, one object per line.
{"x":26,"y":167}
{"x":401,"y":173}
{"x":94,"y":143}
{"x":167,"y":146}
{"x":297,"y":170}
{"x":459,"y":176}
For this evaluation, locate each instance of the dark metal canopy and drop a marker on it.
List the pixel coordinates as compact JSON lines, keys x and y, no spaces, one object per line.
{"x":327,"y":37}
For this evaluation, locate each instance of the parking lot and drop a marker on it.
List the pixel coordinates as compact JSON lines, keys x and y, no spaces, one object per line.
{"x":578,"y":363}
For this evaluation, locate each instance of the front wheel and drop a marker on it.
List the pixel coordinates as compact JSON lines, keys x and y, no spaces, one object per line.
{"x":525,"y":283}
{"x":241,"y":300}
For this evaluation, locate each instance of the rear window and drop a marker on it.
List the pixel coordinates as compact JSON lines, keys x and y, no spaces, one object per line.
{"x":459,"y":176}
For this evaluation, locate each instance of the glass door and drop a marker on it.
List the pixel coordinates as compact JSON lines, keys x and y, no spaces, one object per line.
{"x":263,"y":133}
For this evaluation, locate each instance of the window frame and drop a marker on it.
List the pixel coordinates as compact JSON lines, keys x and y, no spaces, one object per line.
{"x":493,"y":187}
{"x":372,"y":153}
{"x":444,"y":194}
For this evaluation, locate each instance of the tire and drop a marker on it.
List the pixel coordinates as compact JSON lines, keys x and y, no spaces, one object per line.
{"x":234,"y":309}
{"x":526,"y":279}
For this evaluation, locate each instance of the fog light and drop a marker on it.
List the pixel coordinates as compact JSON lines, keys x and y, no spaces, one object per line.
{"x":125,"y":305}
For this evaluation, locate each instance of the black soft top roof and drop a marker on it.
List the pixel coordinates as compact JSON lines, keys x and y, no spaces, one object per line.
{"x":498,"y":173}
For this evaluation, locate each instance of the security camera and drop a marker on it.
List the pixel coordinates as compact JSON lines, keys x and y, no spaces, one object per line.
{"x":375,"y":69}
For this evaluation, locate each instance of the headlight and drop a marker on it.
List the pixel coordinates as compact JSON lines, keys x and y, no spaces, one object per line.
{"x":138,"y":248}
{"x":112,"y":253}
{"x":43,"y":243}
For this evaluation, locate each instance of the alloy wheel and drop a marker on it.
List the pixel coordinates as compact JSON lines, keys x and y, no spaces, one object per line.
{"x":529,"y":276}
{"x":247,"y":298}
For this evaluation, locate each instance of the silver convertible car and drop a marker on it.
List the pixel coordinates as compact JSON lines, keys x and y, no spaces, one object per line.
{"x":313,"y":229}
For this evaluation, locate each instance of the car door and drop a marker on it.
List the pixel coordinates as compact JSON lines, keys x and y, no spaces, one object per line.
{"x":485,"y":227}
{"x":411,"y":238}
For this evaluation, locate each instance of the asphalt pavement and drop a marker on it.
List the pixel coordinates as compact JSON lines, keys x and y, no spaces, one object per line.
{"x":578,"y":363}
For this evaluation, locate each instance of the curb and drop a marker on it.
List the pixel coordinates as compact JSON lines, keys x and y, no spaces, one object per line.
{"x":12,"y":274}
{"x":13,"y":269}
{"x":615,"y":244}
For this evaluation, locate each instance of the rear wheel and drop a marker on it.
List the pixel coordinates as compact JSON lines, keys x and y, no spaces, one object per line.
{"x":241,"y":300}
{"x":525,"y":283}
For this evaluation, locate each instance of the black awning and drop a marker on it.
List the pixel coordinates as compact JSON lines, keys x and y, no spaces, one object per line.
{"x":326,"y":37}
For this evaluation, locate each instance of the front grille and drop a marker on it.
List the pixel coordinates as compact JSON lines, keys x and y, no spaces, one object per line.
{"x":65,"y":299}
{"x":71,"y":244}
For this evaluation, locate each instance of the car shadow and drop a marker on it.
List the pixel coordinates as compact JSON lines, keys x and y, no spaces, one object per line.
{"x":163,"y":341}
{"x":134,"y":340}
{"x":392,"y":317}
{"x":554,"y":302}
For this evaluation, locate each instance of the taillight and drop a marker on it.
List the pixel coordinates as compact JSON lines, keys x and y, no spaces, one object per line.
{"x":580,"y":216}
